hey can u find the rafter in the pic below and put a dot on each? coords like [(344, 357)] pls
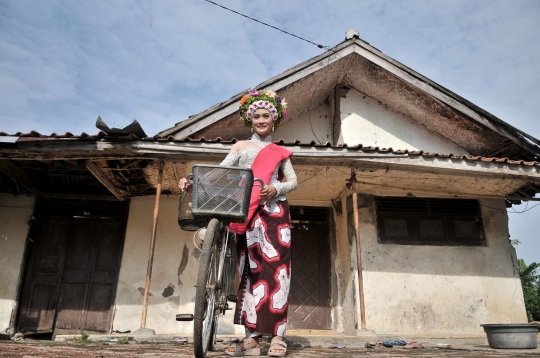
[(19, 176), (98, 173)]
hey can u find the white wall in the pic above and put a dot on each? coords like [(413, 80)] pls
[(15, 213), (175, 264), (365, 121), (409, 290), (446, 290), (300, 129)]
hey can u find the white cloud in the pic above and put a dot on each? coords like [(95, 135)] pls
[(63, 63)]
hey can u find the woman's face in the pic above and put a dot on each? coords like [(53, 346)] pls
[(262, 122)]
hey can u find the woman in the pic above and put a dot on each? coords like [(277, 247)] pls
[(263, 242)]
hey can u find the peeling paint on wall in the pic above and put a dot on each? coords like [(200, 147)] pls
[(175, 300)]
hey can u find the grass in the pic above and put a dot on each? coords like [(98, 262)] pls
[(83, 339), (123, 340)]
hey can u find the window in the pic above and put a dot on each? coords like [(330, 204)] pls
[(420, 221)]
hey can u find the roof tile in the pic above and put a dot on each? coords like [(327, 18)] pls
[(36, 136)]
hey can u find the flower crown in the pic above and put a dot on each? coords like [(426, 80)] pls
[(268, 100)]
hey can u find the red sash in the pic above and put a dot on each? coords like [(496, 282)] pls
[(263, 167)]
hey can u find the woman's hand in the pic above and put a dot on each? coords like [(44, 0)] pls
[(184, 184), (267, 193)]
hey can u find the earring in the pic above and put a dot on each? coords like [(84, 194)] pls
[(273, 127), (251, 129)]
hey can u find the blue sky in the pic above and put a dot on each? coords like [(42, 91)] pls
[(63, 63)]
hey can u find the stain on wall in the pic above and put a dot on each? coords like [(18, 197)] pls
[(168, 291), (183, 264), (443, 289), (196, 253), (173, 257), (141, 291)]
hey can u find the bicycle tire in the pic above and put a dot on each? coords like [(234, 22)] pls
[(231, 269), (228, 281), (205, 296), (213, 333)]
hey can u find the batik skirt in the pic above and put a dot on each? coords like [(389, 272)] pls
[(264, 265)]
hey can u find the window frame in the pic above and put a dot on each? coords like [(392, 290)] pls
[(395, 208)]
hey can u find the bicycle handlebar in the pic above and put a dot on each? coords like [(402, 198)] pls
[(260, 181)]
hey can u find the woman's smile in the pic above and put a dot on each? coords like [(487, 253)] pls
[(262, 122)]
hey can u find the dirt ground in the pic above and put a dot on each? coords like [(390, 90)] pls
[(27, 349)]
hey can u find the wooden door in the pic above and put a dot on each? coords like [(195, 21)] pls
[(88, 282), (73, 266), (43, 275), (309, 300)]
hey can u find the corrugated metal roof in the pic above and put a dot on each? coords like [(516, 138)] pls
[(35, 136)]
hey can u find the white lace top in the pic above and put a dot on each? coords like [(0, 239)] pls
[(245, 157)]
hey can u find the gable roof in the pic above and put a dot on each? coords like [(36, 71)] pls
[(356, 64)]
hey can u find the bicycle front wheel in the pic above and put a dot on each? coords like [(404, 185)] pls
[(205, 297)]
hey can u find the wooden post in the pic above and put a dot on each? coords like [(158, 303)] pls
[(354, 188), (152, 245)]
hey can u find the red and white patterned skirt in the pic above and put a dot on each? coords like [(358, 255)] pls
[(264, 265)]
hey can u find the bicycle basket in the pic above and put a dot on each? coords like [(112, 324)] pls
[(221, 192)]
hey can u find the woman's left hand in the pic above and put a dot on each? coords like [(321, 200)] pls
[(267, 193)]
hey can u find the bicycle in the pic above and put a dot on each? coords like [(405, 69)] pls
[(221, 195)]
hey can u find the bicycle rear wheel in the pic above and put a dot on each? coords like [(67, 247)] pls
[(205, 297)]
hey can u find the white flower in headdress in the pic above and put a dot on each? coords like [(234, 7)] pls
[(283, 104), (271, 93)]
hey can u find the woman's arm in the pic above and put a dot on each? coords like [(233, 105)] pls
[(230, 160), (290, 182), (234, 154)]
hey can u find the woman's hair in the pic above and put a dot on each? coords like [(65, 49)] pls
[(268, 100)]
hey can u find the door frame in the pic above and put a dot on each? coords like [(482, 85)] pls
[(331, 245), (41, 205)]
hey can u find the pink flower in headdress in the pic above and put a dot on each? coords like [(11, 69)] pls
[(255, 93), (285, 112), (271, 93)]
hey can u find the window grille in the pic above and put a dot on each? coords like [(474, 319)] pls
[(425, 221)]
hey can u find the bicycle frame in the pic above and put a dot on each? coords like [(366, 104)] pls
[(211, 293)]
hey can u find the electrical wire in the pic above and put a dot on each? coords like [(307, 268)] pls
[(522, 211), (327, 48), (311, 177), (264, 23)]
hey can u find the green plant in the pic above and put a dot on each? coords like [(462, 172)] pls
[(530, 283), (83, 339), (123, 340)]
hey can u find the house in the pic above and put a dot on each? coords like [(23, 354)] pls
[(429, 180)]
